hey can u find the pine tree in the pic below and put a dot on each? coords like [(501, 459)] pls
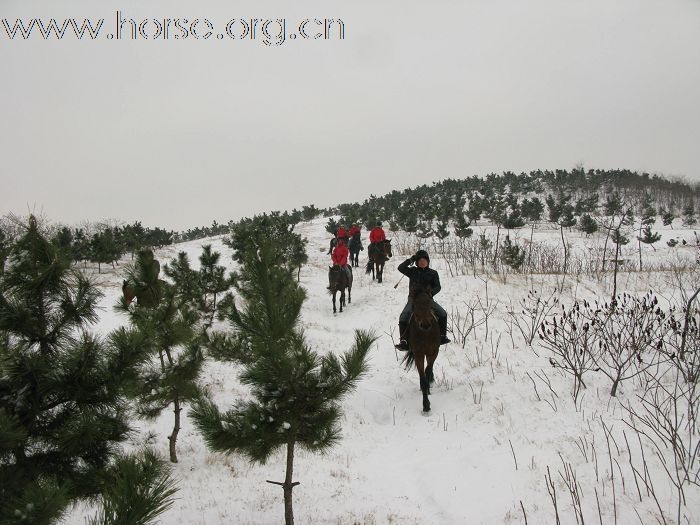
[(104, 249), (63, 405), (566, 220), (295, 392), (512, 255), (4, 250), (648, 212), (289, 248), (143, 279), (485, 245), (587, 204), (424, 230), (532, 211), (613, 205), (441, 231), (667, 218), (169, 324), (138, 488), (619, 239), (204, 288), (689, 218), (587, 224), (648, 218), (475, 209), (649, 237), (309, 212), (513, 219), (554, 209), (332, 226), (81, 245), (64, 240), (462, 229)]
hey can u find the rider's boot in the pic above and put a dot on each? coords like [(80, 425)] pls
[(442, 321), (403, 334)]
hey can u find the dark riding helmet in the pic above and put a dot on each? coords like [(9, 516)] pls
[(379, 224), (422, 254)]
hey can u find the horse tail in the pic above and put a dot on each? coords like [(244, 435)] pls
[(408, 360), (368, 269)]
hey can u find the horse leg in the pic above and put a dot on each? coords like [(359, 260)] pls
[(380, 272), (334, 302), (424, 385), (430, 376), (342, 299)]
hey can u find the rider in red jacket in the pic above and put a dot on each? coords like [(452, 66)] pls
[(340, 257), (354, 230), (342, 233), (377, 234), (340, 254)]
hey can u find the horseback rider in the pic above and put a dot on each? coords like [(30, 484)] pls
[(340, 257), (376, 235), (342, 234), (421, 277), (354, 230)]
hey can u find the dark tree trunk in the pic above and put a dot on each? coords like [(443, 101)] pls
[(172, 438), (498, 235), (617, 265), (639, 242), (529, 252), (613, 391), (289, 485), (605, 246), (566, 252)]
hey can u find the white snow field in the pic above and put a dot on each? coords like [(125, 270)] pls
[(480, 456)]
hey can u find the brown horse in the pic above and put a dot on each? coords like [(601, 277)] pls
[(128, 292), (339, 281), (354, 247), (148, 296), (378, 254), (423, 342)]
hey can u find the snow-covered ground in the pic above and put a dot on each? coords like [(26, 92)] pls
[(480, 456)]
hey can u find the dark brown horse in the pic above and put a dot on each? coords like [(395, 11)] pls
[(354, 247), (378, 254), (128, 292), (339, 281), (423, 342), (148, 296)]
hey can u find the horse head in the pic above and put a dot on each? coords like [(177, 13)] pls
[(423, 314), (387, 249), (128, 293)]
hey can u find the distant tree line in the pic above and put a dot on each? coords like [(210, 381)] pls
[(427, 209)]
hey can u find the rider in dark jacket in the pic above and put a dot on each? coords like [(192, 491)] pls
[(421, 277)]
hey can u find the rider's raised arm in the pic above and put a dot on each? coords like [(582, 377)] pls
[(403, 267)]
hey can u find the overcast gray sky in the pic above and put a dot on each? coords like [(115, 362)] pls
[(180, 132)]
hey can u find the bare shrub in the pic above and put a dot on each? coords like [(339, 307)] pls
[(570, 338), (533, 311)]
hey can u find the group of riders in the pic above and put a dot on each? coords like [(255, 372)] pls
[(416, 268)]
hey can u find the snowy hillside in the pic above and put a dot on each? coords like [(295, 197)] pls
[(481, 455)]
